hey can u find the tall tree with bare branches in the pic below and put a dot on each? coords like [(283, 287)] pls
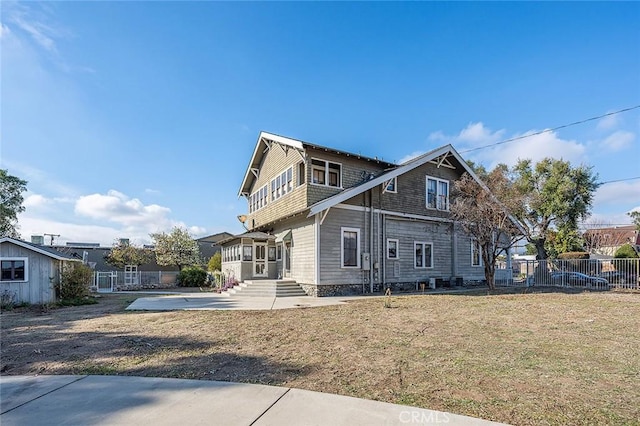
[(483, 211)]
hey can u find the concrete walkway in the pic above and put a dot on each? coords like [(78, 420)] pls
[(207, 301), (124, 400)]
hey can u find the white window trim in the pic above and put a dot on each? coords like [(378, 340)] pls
[(283, 188), (386, 184), (342, 231), (265, 200), (423, 243), (26, 269), (397, 248), (426, 192), (279, 252), (326, 173), (473, 243)]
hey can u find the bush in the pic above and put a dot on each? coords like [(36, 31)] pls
[(215, 263), (75, 281), (192, 276), (626, 252), (574, 255)]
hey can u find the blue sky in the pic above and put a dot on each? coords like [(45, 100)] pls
[(131, 117)]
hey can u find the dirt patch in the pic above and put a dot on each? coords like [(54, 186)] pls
[(532, 358)]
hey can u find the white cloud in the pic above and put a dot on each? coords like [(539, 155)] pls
[(617, 193), (619, 140), (35, 200), (117, 207), (609, 122), (477, 134), (152, 191)]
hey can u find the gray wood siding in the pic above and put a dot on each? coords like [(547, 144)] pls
[(331, 271), (412, 191), (42, 270), (463, 257), (303, 252), (275, 161), (353, 170), (407, 233)]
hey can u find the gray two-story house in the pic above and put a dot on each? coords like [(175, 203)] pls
[(340, 223)]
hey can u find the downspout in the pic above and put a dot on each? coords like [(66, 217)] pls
[(384, 254), (371, 241), (454, 252), (316, 236)]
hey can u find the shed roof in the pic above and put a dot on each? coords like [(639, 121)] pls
[(47, 251)]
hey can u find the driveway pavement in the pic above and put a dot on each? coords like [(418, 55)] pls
[(126, 400)]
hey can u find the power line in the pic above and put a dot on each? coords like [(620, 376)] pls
[(551, 130), (618, 180)]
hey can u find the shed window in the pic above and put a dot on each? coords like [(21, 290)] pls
[(14, 269), (350, 248)]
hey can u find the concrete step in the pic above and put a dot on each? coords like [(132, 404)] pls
[(267, 288)]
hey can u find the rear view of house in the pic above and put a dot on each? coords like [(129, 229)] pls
[(341, 223), (29, 271)]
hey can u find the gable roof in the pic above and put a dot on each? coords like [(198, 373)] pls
[(384, 177), (262, 147), (50, 252)]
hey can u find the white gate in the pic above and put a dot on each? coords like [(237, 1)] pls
[(106, 281)]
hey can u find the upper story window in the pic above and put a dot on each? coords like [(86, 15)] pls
[(437, 193), (282, 184), (391, 185), (258, 199), (326, 173), (14, 269)]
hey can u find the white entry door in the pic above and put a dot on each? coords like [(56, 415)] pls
[(260, 260)]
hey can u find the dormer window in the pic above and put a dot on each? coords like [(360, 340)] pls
[(326, 173)]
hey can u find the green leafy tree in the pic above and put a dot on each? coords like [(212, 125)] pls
[(215, 263), (626, 252), (554, 195), (635, 217), (11, 189), (177, 248), (563, 240), (123, 253), (479, 212)]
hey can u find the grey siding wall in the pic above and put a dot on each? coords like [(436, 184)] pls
[(409, 232), (463, 256), (353, 172), (411, 196), (275, 161), (39, 289), (303, 250), (331, 271)]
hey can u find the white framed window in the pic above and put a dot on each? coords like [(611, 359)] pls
[(247, 253), (393, 246), (437, 193), (326, 173), (258, 199), (282, 184), (279, 252), (423, 255), (391, 185), (272, 254), (14, 269), (476, 253), (301, 174), (350, 247)]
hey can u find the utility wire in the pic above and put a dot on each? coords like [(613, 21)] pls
[(551, 130), (618, 180)]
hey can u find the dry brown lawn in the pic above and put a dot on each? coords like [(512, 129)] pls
[(536, 358)]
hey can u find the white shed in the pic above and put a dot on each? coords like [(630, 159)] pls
[(29, 271)]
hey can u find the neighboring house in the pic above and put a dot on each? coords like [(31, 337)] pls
[(606, 241), (341, 223), (209, 245), (30, 271)]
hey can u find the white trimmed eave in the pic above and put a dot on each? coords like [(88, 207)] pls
[(252, 168), (37, 250), (406, 167)]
